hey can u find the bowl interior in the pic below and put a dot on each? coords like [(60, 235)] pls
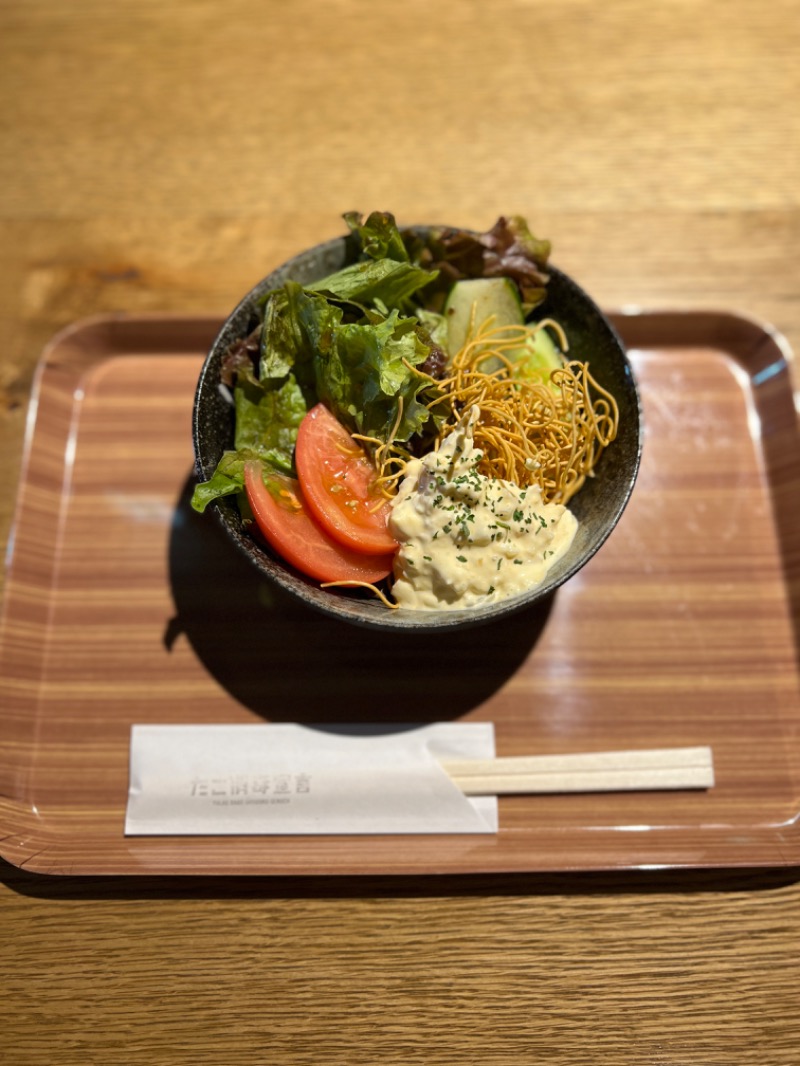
[(597, 506)]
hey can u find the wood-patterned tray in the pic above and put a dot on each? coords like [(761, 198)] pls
[(124, 606)]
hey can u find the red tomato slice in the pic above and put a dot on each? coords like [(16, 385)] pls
[(284, 521), (337, 480)]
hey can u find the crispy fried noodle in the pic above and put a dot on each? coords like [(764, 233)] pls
[(548, 430)]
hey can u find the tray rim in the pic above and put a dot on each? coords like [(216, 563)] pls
[(779, 851)]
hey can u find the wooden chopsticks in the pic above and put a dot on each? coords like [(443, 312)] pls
[(609, 771)]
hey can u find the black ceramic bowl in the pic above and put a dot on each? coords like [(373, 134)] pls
[(598, 506)]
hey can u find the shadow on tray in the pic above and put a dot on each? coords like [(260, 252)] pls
[(287, 662)]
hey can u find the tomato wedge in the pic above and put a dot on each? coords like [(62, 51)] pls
[(337, 480), (283, 519)]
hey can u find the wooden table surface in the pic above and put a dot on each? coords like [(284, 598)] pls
[(163, 157)]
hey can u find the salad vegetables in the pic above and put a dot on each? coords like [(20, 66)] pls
[(345, 388)]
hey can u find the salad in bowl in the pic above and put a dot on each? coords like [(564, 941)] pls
[(415, 427)]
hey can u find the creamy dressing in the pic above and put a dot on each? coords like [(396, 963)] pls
[(466, 539)]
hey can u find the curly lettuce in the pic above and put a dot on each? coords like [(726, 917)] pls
[(364, 340)]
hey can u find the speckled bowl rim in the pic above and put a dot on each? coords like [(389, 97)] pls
[(210, 408)]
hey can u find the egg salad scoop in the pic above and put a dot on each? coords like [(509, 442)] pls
[(467, 539)]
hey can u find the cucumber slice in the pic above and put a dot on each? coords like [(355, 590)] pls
[(475, 300), (488, 296), (540, 356)]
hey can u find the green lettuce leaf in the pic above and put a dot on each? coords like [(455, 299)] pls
[(368, 379), (383, 280), (267, 419), (435, 324), (227, 480), (379, 236), (364, 369)]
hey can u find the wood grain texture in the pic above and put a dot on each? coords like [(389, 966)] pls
[(164, 157)]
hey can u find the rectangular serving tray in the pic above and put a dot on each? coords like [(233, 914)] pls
[(123, 606)]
